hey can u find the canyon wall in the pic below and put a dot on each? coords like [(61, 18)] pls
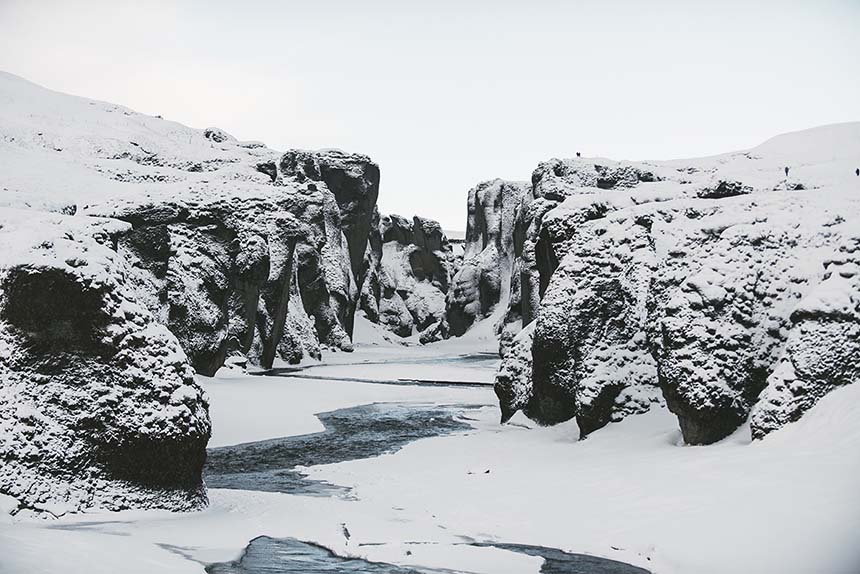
[(98, 403), (411, 264), (692, 282), (484, 277), (135, 249), (138, 250)]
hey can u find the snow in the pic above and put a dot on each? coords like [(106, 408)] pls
[(630, 492), (286, 406), (786, 504)]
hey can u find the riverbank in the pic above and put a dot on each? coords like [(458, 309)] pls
[(630, 492)]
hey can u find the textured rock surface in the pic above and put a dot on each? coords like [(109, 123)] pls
[(485, 274), (513, 383), (822, 348), (591, 357), (215, 233), (219, 273), (695, 276), (411, 265), (354, 181), (731, 301), (98, 403)]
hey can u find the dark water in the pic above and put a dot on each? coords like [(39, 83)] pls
[(558, 562), (265, 555), (350, 434)]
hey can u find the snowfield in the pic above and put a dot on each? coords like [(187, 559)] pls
[(631, 492)]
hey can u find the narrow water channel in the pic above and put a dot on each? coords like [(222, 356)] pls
[(350, 434), (354, 433), (265, 555)]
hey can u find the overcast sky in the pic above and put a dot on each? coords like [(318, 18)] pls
[(445, 94)]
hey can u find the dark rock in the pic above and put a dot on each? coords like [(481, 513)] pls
[(723, 188), (217, 135), (220, 275), (485, 273), (269, 168), (354, 181), (98, 404), (409, 275)]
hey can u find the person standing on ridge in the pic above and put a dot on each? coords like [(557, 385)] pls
[(786, 171), (857, 172)]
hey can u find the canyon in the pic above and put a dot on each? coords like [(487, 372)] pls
[(142, 259)]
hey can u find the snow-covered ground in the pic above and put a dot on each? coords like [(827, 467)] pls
[(631, 492)]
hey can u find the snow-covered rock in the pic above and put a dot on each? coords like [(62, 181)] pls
[(354, 181), (219, 272), (699, 276), (513, 384), (98, 403), (243, 250), (483, 279), (411, 265)]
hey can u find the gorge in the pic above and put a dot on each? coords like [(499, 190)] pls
[(147, 265)]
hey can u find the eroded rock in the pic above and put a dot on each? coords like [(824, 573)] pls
[(485, 274), (98, 403)]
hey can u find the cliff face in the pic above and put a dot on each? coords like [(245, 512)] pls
[(354, 181), (98, 404), (178, 248), (484, 277), (691, 282), (242, 251), (411, 265)]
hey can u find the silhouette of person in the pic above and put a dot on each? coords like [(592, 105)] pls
[(578, 154), (857, 172), (786, 171)]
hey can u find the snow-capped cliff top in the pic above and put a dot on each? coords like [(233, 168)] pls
[(58, 150)]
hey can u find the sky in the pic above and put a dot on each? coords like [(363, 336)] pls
[(445, 94)]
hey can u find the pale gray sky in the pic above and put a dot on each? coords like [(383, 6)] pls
[(445, 94)]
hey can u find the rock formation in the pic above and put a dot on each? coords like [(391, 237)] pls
[(411, 265), (485, 274), (692, 280), (98, 404), (240, 249), (354, 181), (186, 247)]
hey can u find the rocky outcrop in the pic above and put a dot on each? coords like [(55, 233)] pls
[(758, 297), (822, 345), (98, 403), (411, 265), (219, 273), (241, 250), (485, 274), (590, 356), (354, 181), (538, 247), (513, 384), (690, 282)]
